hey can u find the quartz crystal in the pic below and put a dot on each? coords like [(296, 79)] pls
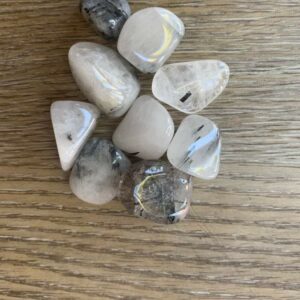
[(106, 16), (104, 77), (196, 147), (190, 86), (96, 175), (149, 37), (73, 123), (146, 131), (157, 191)]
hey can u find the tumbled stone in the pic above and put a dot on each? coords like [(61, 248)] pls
[(104, 77), (149, 37), (96, 175), (73, 123), (190, 86), (155, 190), (146, 131), (106, 16), (196, 147)]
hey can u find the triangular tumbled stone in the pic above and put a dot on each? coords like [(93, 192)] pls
[(190, 86), (73, 123), (196, 147)]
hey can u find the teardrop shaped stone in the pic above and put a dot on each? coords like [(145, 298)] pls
[(73, 123), (190, 86), (149, 37), (96, 175), (155, 190), (196, 147), (146, 131), (104, 77), (106, 16)]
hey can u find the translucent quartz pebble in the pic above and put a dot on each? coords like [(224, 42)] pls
[(190, 86), (149, 37), (73, 123), (157, 191), (97, 172), (146, 131), (104, 77), (196, 147), (106, 16)]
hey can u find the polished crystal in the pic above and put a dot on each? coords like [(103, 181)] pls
[(190, 86), (196, 147), (149, 37), (155, 190), (96, 175)]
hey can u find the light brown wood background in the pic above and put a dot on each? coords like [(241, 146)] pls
[(242, 239)]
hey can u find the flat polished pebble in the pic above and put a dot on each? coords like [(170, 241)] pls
[(190, 86), (149, 37), (73, 123), (96, 175), (104, 77), (146, 131), (106, 16), (196, 147), (155, 190)]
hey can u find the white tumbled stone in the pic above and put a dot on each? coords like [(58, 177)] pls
[(73, 123), (104, 77), (190, 86), (146, 130), (98, 172), (196, 147), (149, 37)]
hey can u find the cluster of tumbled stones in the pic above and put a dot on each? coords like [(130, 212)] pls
[(150, 188)]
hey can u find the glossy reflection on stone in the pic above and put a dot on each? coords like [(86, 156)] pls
[(157, 191), (104, 77), (196, 147), (106, 16), (96, 175), (73, 123), (149, 37), (190, 86)]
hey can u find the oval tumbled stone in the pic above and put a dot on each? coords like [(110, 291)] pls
[(106, 16), (190, 86), (155, 190), (149, 37), (96, 175), (196, 147), (104, 77), (146, 131)]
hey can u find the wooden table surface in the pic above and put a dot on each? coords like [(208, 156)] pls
[(242, 238)]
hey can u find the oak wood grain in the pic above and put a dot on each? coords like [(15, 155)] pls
[(242, 239)]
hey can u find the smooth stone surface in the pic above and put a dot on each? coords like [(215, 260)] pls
[(106, 16), (155, 190), (146, 131), (149, 37), (96, 175), (104, 77), (196, 147), (73, 123), (190, 86)]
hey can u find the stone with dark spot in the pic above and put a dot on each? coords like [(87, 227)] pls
[(106, 16), (155, 190), (97, 173)]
